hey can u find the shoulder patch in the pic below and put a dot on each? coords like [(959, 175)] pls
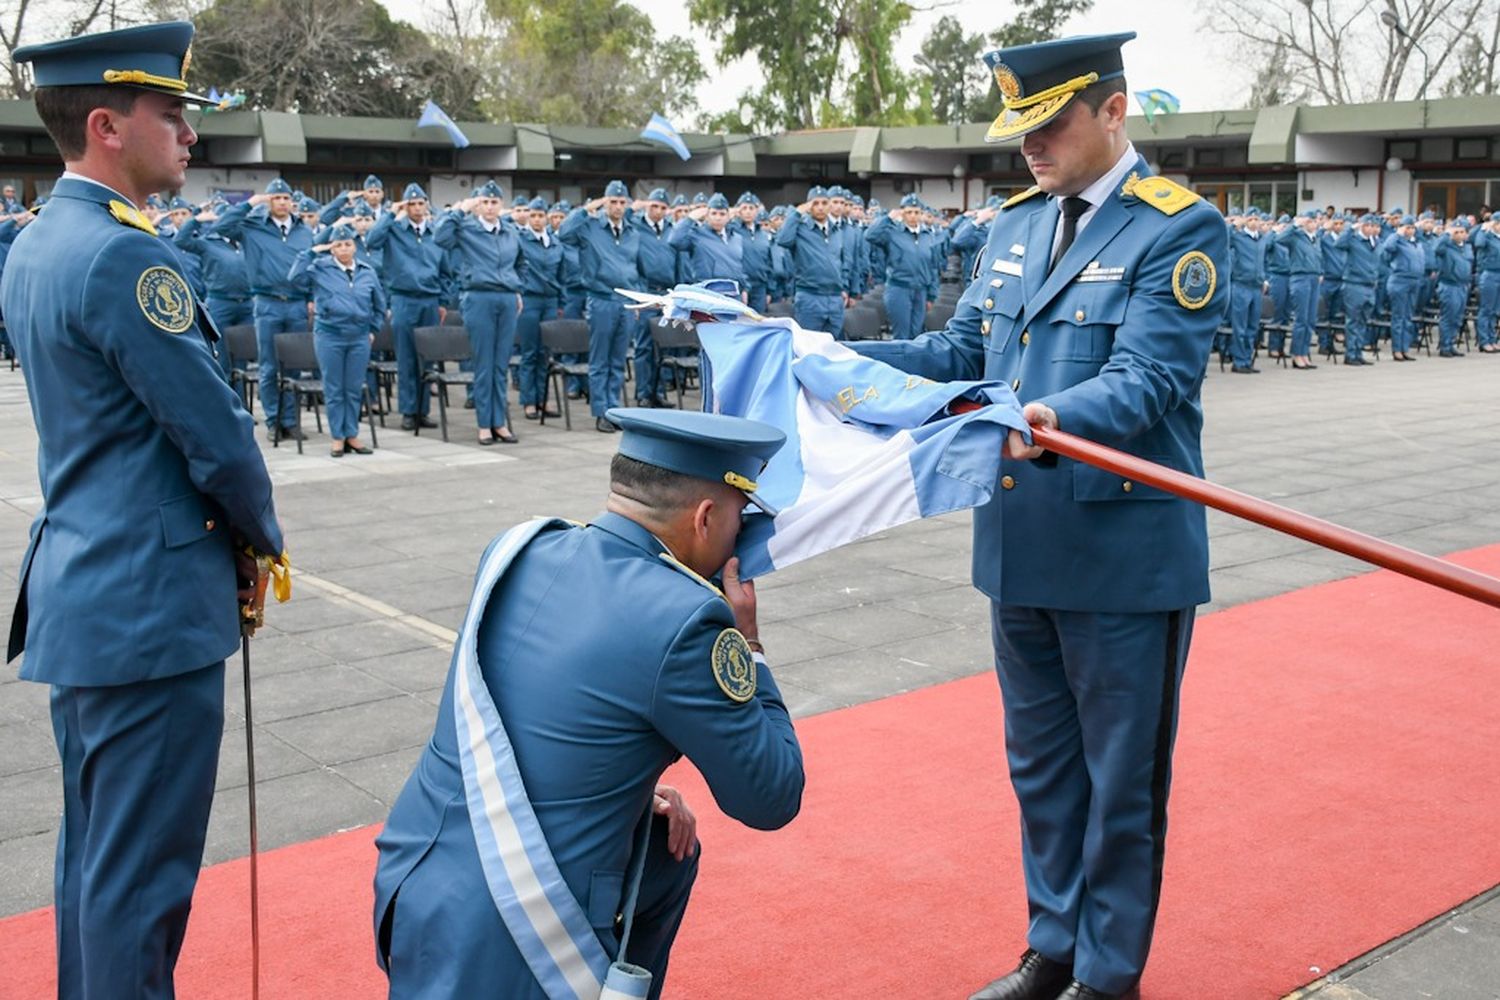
[(1017, 199), (1194, 279), (126, 215), (1167, 197), (164, 298), (687, 571), (733, 666)]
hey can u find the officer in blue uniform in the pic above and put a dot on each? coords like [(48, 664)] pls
[(1407, 262), (489, 250), (128, 598), (659, 268), (1097, 300), (911, 267), (591, 713), (223, 267), (1305, 269), (271, 236), (541, 300), (1331, 289), (1278, 280), (1455, 276), (816, 248), (1360, 244), (1247, 282), (1487, 262), (413, 273), (609, 252), (716, 249), (350, 310), (756, 252)]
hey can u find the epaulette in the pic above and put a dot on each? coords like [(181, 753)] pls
[(688, 571), (1167, 197), (126, 215), (1018, 198)]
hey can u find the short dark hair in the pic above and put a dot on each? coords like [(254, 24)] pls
[(65, 112), (661, 490), (1095, 94)]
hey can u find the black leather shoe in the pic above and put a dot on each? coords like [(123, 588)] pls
[(1036, 978), (604, 425), (469, 404), (292, 433), (661, 403), (408, 423), (1355, 361), (1078, 991), (1245, 370)]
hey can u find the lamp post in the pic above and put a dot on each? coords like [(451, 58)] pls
[(1390, 20)]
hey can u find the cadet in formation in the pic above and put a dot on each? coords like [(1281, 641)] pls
[(816, 250), (412, 266), (541, 300), (913, 266)]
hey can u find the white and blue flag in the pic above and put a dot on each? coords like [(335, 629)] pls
[(434, 115), (659, 130)]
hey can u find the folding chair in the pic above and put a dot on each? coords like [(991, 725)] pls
[(559, 337), (294, 358), (861, 323), (244, 361), (674, 334), (383, 366), (939, 315), (440, 346)]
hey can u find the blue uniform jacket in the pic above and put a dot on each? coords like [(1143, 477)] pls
[(1405, 258), (545, 265), (1455, 264), (606, 262), (1120, 358), (1247, 257), (1304, 253), (223, 263), (756, 254), (595, 711), (1486, 250), (1333, 256), (268, 254), (1278, 260), (491, 262), (714, 255), (349, 306), (658, 258), (1361, 266), (911, 259), (413, 261), (130, 574), (817, 257)]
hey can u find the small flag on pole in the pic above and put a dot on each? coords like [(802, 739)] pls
[(1157, 102), (434, 115), (659, 130)]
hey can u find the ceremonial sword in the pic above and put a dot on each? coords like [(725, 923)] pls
[(252, 616)]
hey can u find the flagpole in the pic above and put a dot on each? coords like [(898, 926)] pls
[(1419, 566)]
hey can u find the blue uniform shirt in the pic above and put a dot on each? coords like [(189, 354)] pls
[(912, 259), (1486, 250), (491, 258), (413, 260), (658, 257), (545, 264), (350, 303), (1361, 257), (1455, 264), (1247, 257), (1333, 256), (269, 250), (607, 260), (222, 262), (756, 252), (817, 254), (714, 255), (1304, 252), (1405, 258)]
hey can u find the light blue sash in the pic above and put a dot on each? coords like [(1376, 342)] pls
[(550, 929)]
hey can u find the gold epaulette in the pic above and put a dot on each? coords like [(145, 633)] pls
[(123, 213), (688, 571), (1167, 197), (1018, 198)]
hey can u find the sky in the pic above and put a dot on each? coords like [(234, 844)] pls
[(1173, 51)]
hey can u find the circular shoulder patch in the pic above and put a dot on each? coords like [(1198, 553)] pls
[(164, 297), (734, 668), (1194, 279)]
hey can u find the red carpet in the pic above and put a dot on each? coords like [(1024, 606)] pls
[(1334, 788)]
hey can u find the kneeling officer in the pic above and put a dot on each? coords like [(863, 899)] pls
[(591, 658)]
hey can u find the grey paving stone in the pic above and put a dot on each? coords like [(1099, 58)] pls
[(410, 671), (345, 734), (382, 776), (863, 675), (33, 802), (26, 865), (26, 701), (28, 747), (273, 758), (288, 810), (870, 625), (276, 652), (1459, 960), (308, 613), (360, 641), (316, 689)]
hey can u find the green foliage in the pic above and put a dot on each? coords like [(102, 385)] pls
[(951, 71)]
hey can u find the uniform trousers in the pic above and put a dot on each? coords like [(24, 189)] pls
[(443, 931), (1401, 292), (756, 296), (1281, 300), (535, 309), (1304, 296), (407, 313), (490, 318), (574, 304), (1331, 291), (1090, 718), (1359, 299), (1244, 318), (1451, 302), (611, 329), (906, 309), (816, 311), (273, 316), (138, 765), (1489, 306), (344, 360), (648, 380)]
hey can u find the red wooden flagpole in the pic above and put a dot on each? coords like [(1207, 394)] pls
[(1409, 562)]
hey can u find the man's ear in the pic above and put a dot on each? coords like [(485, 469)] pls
[(102, 126), (1115, 108), (702, 513)]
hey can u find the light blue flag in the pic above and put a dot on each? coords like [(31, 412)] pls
[(434, 115), (659, 130), (1157, 102), (868, 446)]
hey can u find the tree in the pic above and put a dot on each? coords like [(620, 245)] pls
[(24, 22), (1273, 86), (956, 77), (1476, 64), (1035, 21)]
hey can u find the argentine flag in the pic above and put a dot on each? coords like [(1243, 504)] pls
[(868, 446), (434, 115), (659, 130)]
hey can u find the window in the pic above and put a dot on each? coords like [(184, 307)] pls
[(40, 145), (1173, 159), (1473, 149), (1401, 149), (1439, 150), (1263, 196), (1208, 156)]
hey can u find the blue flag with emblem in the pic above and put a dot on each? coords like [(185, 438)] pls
[(869, 447), (434, 115), (1157, 102), (659, 130)]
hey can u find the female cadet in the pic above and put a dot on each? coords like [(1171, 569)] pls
[(350, 307), (489, 251), (541, 299)]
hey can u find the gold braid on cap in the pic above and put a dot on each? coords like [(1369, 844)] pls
[(141, 78), (739, 482), (1071, 86)]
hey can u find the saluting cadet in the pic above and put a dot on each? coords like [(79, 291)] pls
[(223, 267), (581, 715), (574, 297), (129, 589), (816, 247), (1361, 271), (541, 299), (350, 310), (967, 234), (1455, 275), (1247, 281), (344, 204), (413, 265), (755, 250), (1407, 262), (1487, 261), (911, 274), (658, 262), (609, 251), (1331, 289), (717, 251), (270, 237), (1305, 268), (1428, 235), (489, 252), (1278, 278), (1099, 293), (179, 211), (781, 257)]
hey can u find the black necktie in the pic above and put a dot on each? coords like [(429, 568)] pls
[(1072, 210)]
